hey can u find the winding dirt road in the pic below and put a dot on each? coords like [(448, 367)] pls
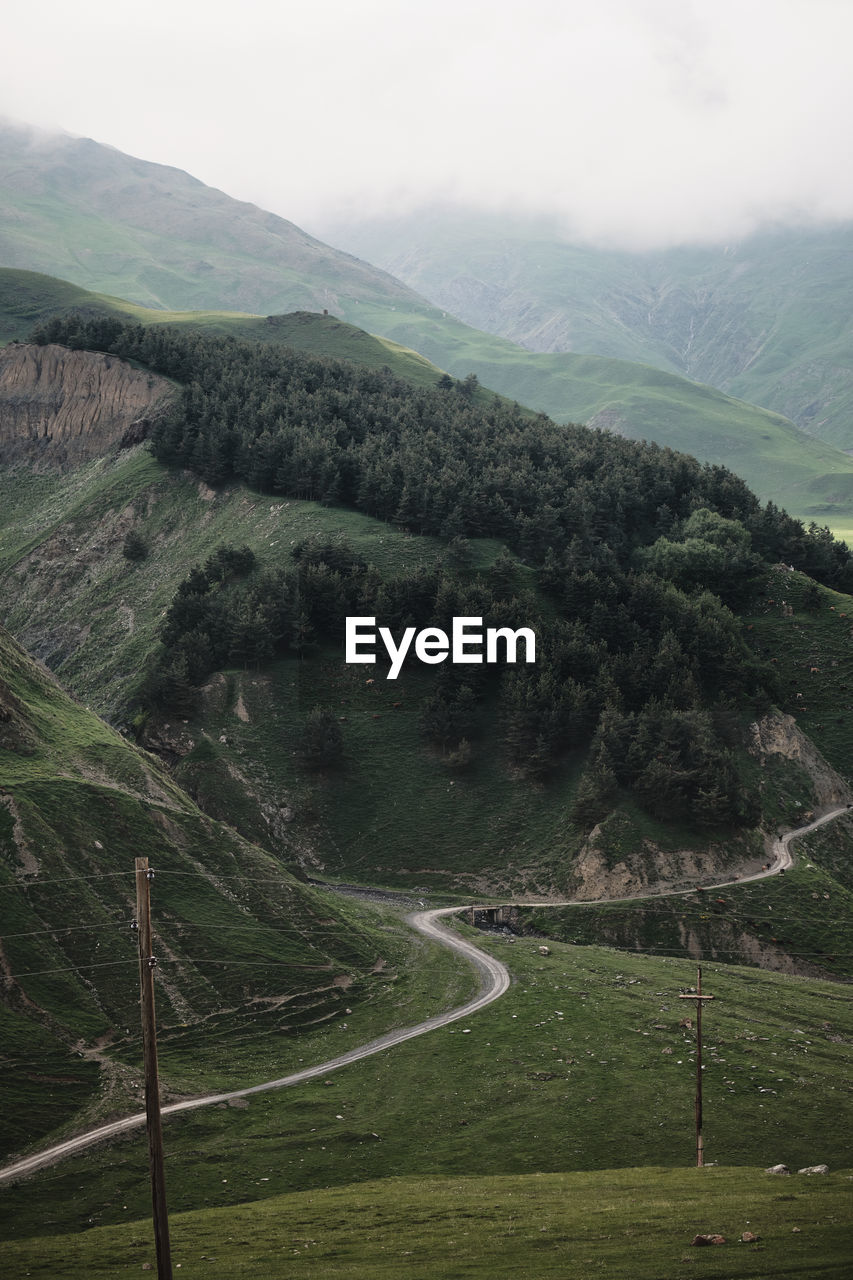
[(494, 981)]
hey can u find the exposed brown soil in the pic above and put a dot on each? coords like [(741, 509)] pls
[(61, 408)]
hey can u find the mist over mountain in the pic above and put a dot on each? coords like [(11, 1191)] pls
[(766, 318), (156, 236)]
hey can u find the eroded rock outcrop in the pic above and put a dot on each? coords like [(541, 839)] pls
[(60, 408), (780, 735)]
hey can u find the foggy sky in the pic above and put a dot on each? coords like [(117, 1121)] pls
[(638, 122)]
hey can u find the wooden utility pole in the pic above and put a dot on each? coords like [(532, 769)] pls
[(147, 963), (698, 997)]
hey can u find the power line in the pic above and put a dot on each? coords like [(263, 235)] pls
[(74, 968), (37, 884), (180, 925), (76, 928), (736, 912), (319, 930), (284, 884), (732, 917), (260, 965), (211, 877)]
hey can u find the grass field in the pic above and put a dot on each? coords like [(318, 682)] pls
[(628, 1224), (583, 1066)]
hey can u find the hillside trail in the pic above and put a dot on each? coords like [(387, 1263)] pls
[(494, 982)]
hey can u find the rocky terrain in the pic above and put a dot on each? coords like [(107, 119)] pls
[(61, 408)]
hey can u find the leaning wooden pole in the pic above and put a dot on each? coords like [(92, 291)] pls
[(147, 963)]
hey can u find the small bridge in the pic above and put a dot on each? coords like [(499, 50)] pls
[(491, 917)]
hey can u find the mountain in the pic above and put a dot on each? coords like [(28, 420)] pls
[(766, 319), (159, 238), (202, 613), (154, 234), (198, 596), (28, 299)]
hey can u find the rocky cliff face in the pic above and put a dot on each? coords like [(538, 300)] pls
[(60, 408), (780, 735)]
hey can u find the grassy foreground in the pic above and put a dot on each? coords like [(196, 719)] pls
[(584, 1065), (631, 1223)]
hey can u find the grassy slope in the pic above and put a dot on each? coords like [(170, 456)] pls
[(582, 1066), (812, 651), (538, 1055), (158, 237), (766, 319), (634, 1225), (787, 916), (92, 616), (805, 475), (809, 478), (772, 923), (244, 947), (28, 297), (61, 555), (152, 233), (80, 606)]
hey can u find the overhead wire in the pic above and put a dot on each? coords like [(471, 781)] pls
[(649, 905), (257, 927), (74, 968), (734, 915), (260, 965), (37, 884)]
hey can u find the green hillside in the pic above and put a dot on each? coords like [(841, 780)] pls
[(95, 622), (156, 236), (28, 298), (431, 781), (779, 923), (804, 475), (765, 319), (639, 1224), (249, 957), (162, 238), (585, 1065), (202, 613)]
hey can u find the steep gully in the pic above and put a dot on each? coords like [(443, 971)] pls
[(494, 981)]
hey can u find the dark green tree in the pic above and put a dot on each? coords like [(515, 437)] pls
[(134, 547), (322, 744)]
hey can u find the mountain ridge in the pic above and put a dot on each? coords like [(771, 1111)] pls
[(763, 319), (92, 235), (109, 190), (807, 476)]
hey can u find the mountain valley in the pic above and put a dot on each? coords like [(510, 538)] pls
[(131, 229), (219, 440)]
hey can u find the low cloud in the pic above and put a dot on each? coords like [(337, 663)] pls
[(636, 122)]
